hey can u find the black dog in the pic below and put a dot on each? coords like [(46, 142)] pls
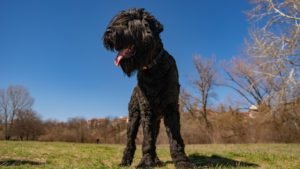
[(135, 35)]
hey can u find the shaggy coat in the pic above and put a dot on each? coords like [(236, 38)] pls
[(135, 35)]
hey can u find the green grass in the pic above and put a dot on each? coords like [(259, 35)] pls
[(72, 155)]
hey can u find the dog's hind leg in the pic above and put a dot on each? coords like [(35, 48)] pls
[(132, 129), (172, 123)]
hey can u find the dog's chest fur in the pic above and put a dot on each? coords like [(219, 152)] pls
[(159, 84)]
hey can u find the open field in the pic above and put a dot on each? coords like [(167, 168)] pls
[(73, 155)]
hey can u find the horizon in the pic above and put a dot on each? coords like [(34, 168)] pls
[(55, 50)]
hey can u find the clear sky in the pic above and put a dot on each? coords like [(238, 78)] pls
[(54, 48)]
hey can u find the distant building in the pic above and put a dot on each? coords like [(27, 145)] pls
[(123, 119), (252, 111)]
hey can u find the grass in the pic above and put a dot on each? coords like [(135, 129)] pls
[(58, 155)]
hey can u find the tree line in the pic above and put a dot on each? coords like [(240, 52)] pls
[(219, 125)]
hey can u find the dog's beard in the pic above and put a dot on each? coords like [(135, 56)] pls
[(135, 58), (127, 60), (123, 54), (128, 65)]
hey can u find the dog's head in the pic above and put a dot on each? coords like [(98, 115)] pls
[(135, 35)]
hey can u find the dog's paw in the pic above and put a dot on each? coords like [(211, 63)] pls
[(158, 162), (146, 162), (125, 163)]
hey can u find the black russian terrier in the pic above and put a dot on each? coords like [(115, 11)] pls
[(135, 35)]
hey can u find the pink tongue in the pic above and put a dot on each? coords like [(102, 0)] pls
[(118, 59), (122, 54)]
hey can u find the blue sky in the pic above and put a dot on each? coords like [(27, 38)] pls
[(54, 49)]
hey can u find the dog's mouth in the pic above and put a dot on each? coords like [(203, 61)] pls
[(124, 54)]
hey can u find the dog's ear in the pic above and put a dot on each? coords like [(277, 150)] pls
[(158, 26), (153, 23)]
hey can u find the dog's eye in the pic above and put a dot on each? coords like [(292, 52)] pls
[(146, 25)]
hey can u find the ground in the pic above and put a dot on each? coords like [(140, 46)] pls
[(101, 156)]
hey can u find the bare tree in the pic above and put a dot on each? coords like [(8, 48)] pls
[(27, 125), (79, 127), (4, 108), (198, 105), (1, 121), (1, 126), (268, 73), (12, 100), (275, 47), (242, 79)]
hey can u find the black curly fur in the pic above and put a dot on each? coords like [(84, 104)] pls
[(156, 94)]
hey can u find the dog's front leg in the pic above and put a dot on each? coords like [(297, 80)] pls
[(149, 124)]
